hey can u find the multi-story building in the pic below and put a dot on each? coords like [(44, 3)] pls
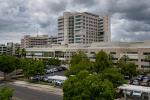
[(83, 28), (3, 49), (12, 47), (136, 51), (52, 40), (34, 41)]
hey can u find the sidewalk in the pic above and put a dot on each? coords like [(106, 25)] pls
[(39, 87)]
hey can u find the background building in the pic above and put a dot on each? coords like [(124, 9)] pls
[(52, 40), (12, 47), (34, 41), (83, 28), (3, 49)]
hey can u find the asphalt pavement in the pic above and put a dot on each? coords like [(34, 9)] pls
[(25, 93)]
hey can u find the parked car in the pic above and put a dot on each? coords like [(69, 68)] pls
[(49, 71), (55, 69), (60, 69), (137, 93), (59, 83), (140, 77), (45, 79), (64, 68), (136, 82), (145, 82), (37, 78)]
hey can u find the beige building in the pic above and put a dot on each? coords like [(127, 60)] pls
[(83, 28), (52, 40), (34, 41), (136, 51)]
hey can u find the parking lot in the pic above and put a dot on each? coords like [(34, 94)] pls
[(140, 80), (138, 88), (53, 75)]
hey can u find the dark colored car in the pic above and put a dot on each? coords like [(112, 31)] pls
[(145, 82), (60, 69)]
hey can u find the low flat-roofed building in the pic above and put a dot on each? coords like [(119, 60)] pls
[(135, 91), (136, 51)]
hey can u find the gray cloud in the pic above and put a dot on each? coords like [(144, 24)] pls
[(85, 3), (130, 19)]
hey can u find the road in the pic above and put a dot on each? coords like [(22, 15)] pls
[(25, 93)]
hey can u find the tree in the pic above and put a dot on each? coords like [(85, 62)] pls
[(32, 67), (102, 62), (6, 93), (18, 64), (76, 68), (78, 57), (91, 80), (23, 52), (79, 62), (86, 86), (127, 68), (7, 64), (54, 61), (125, 58), (18, 52), (114, 76)]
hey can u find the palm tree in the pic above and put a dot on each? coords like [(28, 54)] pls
[(18, 52)]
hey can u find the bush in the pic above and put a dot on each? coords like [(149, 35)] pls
[(6, 93)]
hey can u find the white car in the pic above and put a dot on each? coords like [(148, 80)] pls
[(45, 79), (59, 82), (49, 71)]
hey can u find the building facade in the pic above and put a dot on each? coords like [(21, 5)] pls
[(136, 51), (12, 47), (52, 40), (3, 49), (34, 41), (83, 28)]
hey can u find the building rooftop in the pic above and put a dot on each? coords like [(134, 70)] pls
[(135, 88)]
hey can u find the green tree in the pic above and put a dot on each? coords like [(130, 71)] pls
[(18, 52), (125, 58), (102, 62), (127, 68), (23, 52), (92, 80), (86, 86), (78, 57), (113, 75), (76, 68), (6, 93), (54, 61), (32, 67), (79, 62), (7, 64)]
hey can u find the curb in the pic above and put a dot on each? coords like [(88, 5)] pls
[(40, 87)]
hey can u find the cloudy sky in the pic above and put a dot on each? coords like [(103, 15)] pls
[(130, 19)]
